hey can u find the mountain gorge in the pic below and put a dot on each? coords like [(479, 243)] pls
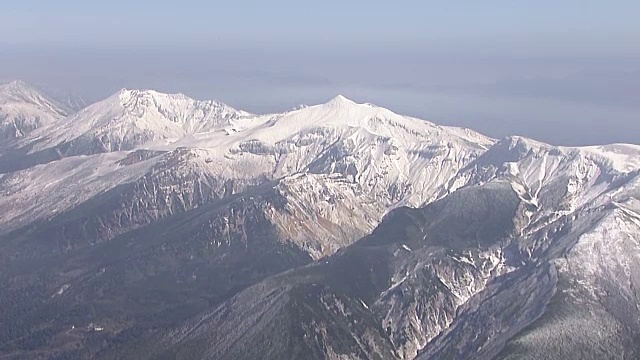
[(151, 225)]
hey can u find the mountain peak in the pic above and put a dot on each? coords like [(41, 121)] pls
[(17, 82), (146, 98), (18, 91), (130, 118), (23, 109), (340, 100), (21, 91), (16, 87), (523, 143), (126, 94)]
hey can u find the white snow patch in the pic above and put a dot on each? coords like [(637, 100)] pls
[(364, 304)]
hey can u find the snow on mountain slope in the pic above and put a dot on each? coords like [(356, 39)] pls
[(469, 273), (356, 153), (340, 166), (44, 191), (369, 145), (365, 159), (573, 293), (598, 297), (580, 221), (618, 157), (554, 181), (132, 118), (403, 275), (24, 109), (502, 228)]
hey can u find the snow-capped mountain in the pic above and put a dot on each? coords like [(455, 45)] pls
[(340, 165), (24, 109), (133, 118), (161, 226), (533, 252)]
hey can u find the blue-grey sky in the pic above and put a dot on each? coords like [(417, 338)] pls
[(565, 72)]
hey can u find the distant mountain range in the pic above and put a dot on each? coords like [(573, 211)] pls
[(156, 226)]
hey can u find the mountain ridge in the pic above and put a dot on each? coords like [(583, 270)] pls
[(24, 109), (383, 235)]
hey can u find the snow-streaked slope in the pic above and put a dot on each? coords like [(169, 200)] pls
[(479, 268), (369, 145), (554, 181), (132, 118), (344, 164), (340, 166), (24, 109), (580, 221), (43, 191), (583, 303), (600, 276), (403, 275), (505, 231)]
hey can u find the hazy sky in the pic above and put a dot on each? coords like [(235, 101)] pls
[(566, 72)]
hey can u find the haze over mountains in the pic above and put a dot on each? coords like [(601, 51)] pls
[(151, 225)]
